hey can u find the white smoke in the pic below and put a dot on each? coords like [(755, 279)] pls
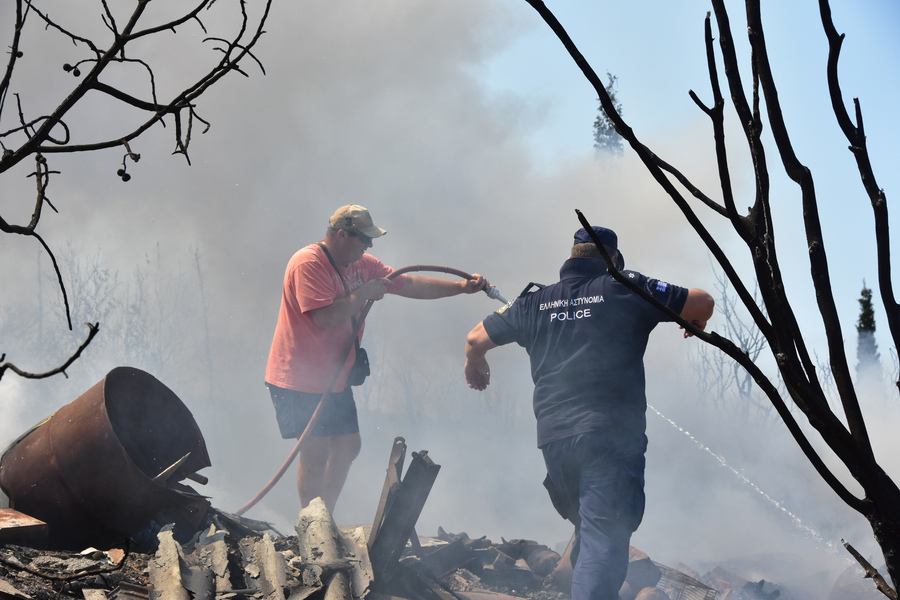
[(383, 104)]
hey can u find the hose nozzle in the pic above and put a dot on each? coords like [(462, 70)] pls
[(493, 293)]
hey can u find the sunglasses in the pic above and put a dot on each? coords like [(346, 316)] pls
[(362, 237)]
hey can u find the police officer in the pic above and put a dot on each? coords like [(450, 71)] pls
[(585, 337)]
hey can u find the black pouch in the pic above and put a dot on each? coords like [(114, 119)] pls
[(360, 369)]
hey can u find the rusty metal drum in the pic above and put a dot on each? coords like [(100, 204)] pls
[(88, 470)]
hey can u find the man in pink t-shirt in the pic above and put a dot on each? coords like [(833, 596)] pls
[(326, 286)]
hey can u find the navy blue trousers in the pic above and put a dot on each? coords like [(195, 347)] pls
[(597, 483)]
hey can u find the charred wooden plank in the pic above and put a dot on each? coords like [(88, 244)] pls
[(449, 557), (391, 483), (386, 546)]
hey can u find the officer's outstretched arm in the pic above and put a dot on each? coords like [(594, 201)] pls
[(478, 373)]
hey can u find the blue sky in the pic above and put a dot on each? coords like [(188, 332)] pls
[(657, 51)]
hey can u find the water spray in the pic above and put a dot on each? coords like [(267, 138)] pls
[(491, 291), (830, 546)]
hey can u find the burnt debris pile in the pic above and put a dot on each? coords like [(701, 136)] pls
[(98, 510), (238, 558)]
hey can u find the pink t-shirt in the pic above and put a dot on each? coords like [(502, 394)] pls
[(304, 356)]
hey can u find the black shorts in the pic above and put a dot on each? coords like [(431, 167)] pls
[(294, 409)]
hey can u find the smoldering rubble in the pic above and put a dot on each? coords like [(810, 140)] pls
[(239, 558), (234, 557), (99, 509)]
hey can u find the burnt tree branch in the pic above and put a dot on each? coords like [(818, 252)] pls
[(880, 504), (801, 174), (871, 572), (649, 159), (93, 329), (49, 133), (856, 135)]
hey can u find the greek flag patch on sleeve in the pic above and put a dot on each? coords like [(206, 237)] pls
[(661, 286)]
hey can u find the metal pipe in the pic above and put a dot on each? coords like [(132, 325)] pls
[(94, 471)]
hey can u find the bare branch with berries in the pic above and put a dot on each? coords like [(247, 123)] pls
[(103, 61)]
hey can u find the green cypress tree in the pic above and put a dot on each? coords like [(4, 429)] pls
[(606, 138), (869, 361)]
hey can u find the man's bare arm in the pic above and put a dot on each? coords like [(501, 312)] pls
[(430, 288)]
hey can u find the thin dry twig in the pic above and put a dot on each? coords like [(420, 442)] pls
[(93, 329), (871, 572)]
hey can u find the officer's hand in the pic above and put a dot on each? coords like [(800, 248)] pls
[(701, 325), (478, 374), (374, 289), (476, 284)]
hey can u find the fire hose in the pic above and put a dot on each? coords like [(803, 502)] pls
[(491, 292)]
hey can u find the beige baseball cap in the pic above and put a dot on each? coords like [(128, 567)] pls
[(357, 218)]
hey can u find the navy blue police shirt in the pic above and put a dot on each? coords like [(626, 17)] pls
[(586, 337)]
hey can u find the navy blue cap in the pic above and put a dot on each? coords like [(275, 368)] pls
[(607, 237)]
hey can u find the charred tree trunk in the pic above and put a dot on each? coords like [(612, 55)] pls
[(848, 439)]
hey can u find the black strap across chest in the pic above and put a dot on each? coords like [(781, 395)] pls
[(343, 283)]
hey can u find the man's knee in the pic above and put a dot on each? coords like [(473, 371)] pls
[(346, 447)]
